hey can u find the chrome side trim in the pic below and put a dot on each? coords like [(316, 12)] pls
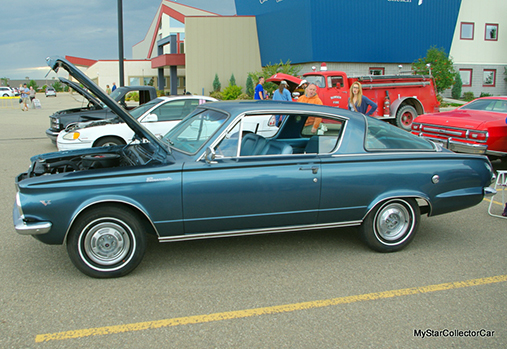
[(200, 236)]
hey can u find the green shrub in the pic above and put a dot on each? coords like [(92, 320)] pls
[(231, 92), (484, 94), (132, 96), (217, 95), (216, 84), (468, 96), (456, 88), (244, 96), (250, 89)]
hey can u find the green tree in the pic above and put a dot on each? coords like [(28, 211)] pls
[(250, 89), (5, 81), (232, 81), (441, 66), (270, 70), (33, 83), (58, 86), (216, 84), (456, 88)]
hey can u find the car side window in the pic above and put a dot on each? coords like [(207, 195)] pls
[(295, 136), (171, 111)]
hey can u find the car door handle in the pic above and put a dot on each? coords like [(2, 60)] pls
[(314, 169)]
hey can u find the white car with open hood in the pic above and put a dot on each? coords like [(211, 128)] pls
[(158, 116)]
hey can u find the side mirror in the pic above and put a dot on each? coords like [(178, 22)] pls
[(150, 118), (209, 156)]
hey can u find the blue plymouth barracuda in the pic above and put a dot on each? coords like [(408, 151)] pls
[(208, 177)]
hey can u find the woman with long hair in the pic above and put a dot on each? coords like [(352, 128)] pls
[(360, 103)]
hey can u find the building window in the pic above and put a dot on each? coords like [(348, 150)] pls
[(466, 77), (489, 78), (377, 71), (491, 33), (467, 31), (134, 81), (149, 81)]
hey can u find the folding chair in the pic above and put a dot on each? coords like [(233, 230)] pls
[(500, 185)]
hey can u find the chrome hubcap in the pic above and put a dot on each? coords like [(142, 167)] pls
[(393, 222), (107, 243)]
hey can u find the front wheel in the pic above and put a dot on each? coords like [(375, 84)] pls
[(391, 225), (405, 116), (107, 242), (108, 142)]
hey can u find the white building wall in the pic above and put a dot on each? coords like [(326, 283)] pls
[(480, 54)]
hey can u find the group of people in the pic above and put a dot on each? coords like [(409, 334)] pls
[(357, 101), (27, 96)]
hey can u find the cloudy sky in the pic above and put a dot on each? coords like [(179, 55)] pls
[(32, 31)]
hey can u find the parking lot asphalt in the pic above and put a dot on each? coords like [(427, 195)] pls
[(315, 289)]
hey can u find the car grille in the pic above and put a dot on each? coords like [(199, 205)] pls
[(442, 132)]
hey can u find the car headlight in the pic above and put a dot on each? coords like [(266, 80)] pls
[(71, 136)]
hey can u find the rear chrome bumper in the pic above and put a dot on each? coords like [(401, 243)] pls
[(459, 147)]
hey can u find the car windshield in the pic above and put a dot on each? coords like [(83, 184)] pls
[(495, 105), (383, 136), (143, 108), (193, 131)]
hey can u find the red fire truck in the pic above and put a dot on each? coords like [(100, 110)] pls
[(400, 98)]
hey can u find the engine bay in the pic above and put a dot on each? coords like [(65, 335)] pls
[(99, 158)]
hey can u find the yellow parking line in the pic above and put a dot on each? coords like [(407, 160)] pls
[(198, 319), (495, 202)]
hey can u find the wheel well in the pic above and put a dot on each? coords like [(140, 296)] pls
[(135, 211), (121, 140), (423, 203), (413, 102)]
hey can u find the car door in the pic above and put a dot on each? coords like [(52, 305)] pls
[(241, 192)]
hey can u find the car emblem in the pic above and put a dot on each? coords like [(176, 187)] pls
[(45, 203)]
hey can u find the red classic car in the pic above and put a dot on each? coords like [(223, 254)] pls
[(478, 127)]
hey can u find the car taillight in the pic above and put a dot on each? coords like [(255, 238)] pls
[(477, 135)]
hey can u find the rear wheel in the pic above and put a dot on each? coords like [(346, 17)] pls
[(405, 116), (391, 225), (107, 242)]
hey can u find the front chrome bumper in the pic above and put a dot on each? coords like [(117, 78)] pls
[(27, 228)]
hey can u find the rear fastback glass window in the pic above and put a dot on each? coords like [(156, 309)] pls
[(383, 136), (496, 105)]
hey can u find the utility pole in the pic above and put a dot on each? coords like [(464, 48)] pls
[(120, 43)]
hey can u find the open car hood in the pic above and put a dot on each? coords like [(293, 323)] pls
[(82, 92), (161, 150), (292, 81)]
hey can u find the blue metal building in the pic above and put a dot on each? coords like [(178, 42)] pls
[(382, 31)]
